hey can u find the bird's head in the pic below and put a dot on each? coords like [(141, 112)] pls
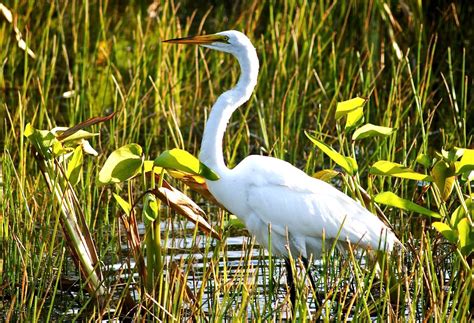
[(230, 41)]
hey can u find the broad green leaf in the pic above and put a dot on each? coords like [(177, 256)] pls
[(150, 208), (43, 140), (353, 109), (443, 177), (345, 107), (424, 160), (354, 117), (29, 130), (123, 204), (326, 174), (122, 164), (466, 241), (446, 231), (57, 148), (391, 199), (181, 175), (74, 166), (370, 130), (149, 165), (181, 160), (348, 163), (80, 134), (466, 163), (387, 168), (460, 213)]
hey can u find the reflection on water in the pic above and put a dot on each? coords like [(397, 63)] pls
[(239, 258)]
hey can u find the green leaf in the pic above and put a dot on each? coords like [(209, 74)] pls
[(353, 109), (460, 213), (391, 199), (77, 136), (353, 118), (179, 159), (149, 165), (122, 164), (424, 160), (326, 174), (446, 231), (466, 164), (44, 142), (466, 241), (29, 130), (370, 130), (387, 168), (345, 107), (442, 174), (74, 166), (150, 208), (123, 204), (348, 163), (57, 148)]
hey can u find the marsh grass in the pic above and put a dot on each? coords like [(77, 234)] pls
[(313, 55)]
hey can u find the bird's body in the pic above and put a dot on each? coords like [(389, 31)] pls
[(266, 192), (301, 210)]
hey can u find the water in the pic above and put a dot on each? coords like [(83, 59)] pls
[(184, 250)]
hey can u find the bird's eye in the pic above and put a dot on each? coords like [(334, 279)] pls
[(225, 39)]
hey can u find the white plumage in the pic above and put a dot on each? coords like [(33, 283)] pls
[(265, 191)]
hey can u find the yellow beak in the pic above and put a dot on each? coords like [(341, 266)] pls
[(200, 40)]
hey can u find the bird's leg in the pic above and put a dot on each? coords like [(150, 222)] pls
[(307, 268), (290, 280)]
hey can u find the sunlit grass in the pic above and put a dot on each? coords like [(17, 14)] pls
[(93, 58)]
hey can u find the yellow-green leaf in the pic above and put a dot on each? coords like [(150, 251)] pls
[(442, 174), (326, 174), (466, 236), (182, 175), (348, 163), (466, 163), (460, 213), (370, 130), (149, 165), (57, 148), (43, 140), (29, 130), (122, 164), (77, 136), (123, 204), (424, 160), (446, 231), (391, 199), (74, 166), (345, 107), (181, 160), (150, 208), (354, 117), (387, 168)]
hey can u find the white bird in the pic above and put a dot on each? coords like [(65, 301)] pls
[(266, 192)]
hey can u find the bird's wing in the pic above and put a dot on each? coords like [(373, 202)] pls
[(289, 199)]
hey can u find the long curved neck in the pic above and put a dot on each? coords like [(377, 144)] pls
[(211, 146)]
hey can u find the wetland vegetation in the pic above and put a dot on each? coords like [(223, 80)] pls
[(99, 222)]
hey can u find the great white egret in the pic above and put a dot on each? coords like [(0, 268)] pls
[(266, 192)]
